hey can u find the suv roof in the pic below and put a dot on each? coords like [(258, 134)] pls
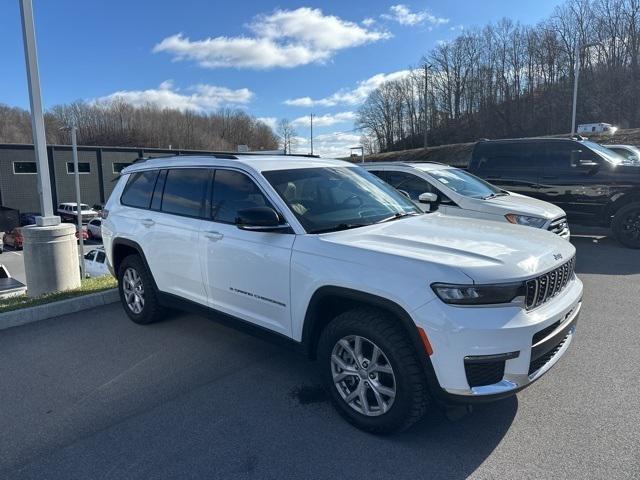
[(256, 162), (534, 139)]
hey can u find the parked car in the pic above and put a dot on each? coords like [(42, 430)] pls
[(69, 211), (95, 263), (398, 306), (591, 128), (588, 181), (1, 242), (94, 228), (14, 238), (631, 153), (28, 218), (453, 191)]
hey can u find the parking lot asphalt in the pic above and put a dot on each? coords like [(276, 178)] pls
[(92, 395)]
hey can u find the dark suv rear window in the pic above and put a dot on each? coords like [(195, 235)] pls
[(139, 188), (184, 191)]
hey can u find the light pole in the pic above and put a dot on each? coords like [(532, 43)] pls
[(311, 119), (426, 102), (576, 75), (37, 119), (76, 174)]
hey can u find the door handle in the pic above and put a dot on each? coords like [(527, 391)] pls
[(147, 222), (214, 236)]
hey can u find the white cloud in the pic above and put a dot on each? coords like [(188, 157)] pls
[(285, 38), (201, 97), (331, 145), (325, 120), (271, 122), (457, 28), (404, 16), (353, 96), (367, 22)]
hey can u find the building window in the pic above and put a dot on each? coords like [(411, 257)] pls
[(119, 166), (83, 167), (21, 168)]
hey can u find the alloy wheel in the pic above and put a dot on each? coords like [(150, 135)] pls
[(363, 375), (631, 225), (133, 290)]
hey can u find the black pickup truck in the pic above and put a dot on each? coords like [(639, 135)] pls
[(594, 185)]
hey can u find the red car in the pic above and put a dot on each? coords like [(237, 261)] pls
[(14, 238), (85, 234)]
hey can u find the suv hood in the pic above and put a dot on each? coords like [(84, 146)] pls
[(485, 251), (518, 204)]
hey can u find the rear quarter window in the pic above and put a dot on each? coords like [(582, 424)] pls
[(139, 189)]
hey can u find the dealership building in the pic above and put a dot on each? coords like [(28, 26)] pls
[(98, 168)]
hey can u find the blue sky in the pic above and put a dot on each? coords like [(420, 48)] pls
[(275, 60)]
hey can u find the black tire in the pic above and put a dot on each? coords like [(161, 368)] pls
[(411, 390), (626, 225), (151, 311)]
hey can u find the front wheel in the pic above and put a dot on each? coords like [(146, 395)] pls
[(626, 225), (137, 291), (372, 371)]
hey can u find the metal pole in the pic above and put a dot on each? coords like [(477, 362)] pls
[(37, 118), (76, 175), (362, 150), (426, 102), (312, 134), (576, 74)]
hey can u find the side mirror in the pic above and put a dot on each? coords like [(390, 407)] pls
[(428, 197), (263, 219)]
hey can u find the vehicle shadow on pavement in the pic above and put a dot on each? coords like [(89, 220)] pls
[(602, 255)]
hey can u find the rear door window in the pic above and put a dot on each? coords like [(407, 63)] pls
[(185, 191), (137, 193)]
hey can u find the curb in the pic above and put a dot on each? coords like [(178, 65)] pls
[(37, 313)]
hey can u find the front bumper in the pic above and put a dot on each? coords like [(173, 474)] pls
[(527, 344)]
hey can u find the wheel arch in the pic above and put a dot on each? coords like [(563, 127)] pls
[(123, 247), (620, 202)]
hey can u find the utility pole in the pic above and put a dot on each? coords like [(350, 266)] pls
[(37, 118), (426, 102), (311, 118), (76, 174)]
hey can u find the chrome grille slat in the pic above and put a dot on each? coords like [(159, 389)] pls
[(546, 286)]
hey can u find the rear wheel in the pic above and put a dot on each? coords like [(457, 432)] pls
[(626, 225), (372, 371), (137, 291)]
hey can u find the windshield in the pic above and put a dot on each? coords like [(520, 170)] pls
[(327, 199), (465, 183), (609, 155)]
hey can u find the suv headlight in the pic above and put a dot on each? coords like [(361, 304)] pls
[(526, 220), (479, 294)]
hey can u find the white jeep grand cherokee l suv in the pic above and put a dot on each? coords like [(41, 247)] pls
[(398, 306)]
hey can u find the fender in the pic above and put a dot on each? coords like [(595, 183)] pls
[(133, 245)]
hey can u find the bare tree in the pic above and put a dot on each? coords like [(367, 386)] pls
[(287, 134)]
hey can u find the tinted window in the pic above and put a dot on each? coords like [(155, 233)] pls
[(100, 257), (185, 190), (25, 167), (96, 223), (137, 192), (90, 255), (558, 155), (233, 191), (83, 167), (409, 183)]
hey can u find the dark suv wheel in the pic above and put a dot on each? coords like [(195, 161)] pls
[(137, 291), (626, 225), (372, 372)]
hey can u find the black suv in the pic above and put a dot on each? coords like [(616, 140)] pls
[(594, 185)]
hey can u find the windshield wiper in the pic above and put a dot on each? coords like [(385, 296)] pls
[(397, 216), (494, 195), (340, 226)]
